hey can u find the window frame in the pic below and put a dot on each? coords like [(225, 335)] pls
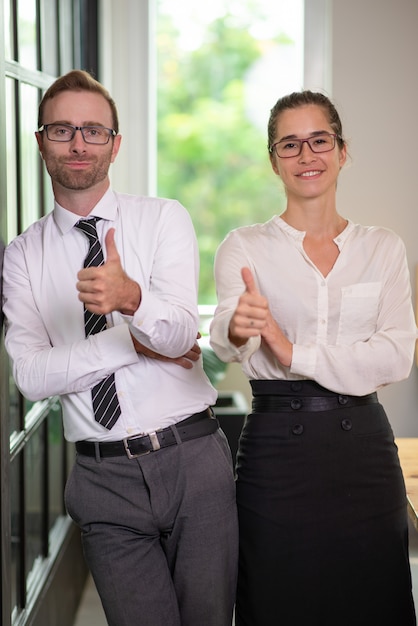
[(34, 438)]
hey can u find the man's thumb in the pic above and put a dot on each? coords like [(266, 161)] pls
[(112, 253)]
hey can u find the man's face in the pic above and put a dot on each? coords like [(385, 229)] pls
[(77, 165)]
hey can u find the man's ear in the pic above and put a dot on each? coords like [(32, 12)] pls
[(40, 141), (116, 145)]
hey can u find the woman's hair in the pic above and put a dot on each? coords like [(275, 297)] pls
[(302, 98), (78, 80)]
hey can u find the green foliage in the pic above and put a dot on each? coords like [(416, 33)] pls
[(211, 157), (214, 368)]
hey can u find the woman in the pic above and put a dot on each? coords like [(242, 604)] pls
[(318, 311)]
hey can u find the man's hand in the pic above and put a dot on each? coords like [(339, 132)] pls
[(108, 288), (185, 361)]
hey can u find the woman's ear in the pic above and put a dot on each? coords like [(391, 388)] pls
[(274, 165), (343, 155)]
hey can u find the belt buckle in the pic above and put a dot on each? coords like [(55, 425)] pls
[(154, 443)]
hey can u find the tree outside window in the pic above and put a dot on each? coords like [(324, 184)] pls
[(218, 77)]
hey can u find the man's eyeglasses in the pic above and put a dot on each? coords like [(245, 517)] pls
[(66, 132), (287, 148)]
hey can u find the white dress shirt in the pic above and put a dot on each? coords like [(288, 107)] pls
[(45, 335), (353, 331)]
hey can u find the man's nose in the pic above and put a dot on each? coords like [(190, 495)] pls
[(78, 139)]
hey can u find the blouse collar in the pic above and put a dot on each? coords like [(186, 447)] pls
[(299, 235)]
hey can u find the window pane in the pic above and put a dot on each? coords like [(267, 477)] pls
[(12, 207), (16, 531), (30, 155), (34, 499), (27, 51), (65, 36), (8, 30), (14, 405), (49, 44), (56, 466), (219, 74)]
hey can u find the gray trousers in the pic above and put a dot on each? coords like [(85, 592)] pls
[(160, 533)]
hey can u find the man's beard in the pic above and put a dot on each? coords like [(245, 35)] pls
[(80, 179)]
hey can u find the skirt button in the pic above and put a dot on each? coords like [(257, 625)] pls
[(297, 429)]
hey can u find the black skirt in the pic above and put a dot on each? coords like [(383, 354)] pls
[(322, 512)]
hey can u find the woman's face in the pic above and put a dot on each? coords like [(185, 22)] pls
[(309, 174)]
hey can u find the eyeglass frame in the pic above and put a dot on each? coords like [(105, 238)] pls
[(302, 141), (44, 127)]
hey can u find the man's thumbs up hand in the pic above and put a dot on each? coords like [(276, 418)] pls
[(108, 288)]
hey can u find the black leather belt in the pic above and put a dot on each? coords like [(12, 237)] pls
[(193, 427), (274, 404)]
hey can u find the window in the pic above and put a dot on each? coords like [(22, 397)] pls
[(219, 72), (42, 38)]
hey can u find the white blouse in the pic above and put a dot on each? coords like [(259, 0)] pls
[(353, 331)]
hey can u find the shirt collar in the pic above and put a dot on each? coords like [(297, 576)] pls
[(106, 208), (298, 235)]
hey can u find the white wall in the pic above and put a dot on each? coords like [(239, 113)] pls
[(371, 74), (127, 71), (375, 87), (370, 71)]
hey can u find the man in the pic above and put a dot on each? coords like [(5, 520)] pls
[(152, 488)]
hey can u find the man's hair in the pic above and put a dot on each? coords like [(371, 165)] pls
[(78, 80)]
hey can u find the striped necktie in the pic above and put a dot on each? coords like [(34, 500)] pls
[(105, 400)]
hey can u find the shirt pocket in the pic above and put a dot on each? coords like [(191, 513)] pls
[(359, 312)]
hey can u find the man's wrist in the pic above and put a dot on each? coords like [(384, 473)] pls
[(133, 299)]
